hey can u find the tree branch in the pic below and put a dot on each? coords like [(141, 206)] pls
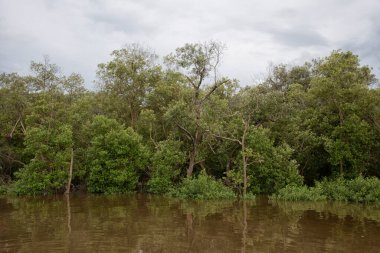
[(14, 127), (191, 81), (12, 159), (187, 132), (226, 138), (23, 128), (214, 87)]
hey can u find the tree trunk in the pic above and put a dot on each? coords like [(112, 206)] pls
[(196, 139), (70, 172), (341, 170), (245, 175), (244, 157), (192, 162)]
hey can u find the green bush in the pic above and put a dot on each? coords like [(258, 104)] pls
[(271, 167), (335, 189), (160, 185), (46, 172), (115, 157), (202, 187), (166, 163), (360, 189), (3, 190), (299, 193)]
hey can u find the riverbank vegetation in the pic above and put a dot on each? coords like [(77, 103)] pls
[(179, 127), (359, 189)]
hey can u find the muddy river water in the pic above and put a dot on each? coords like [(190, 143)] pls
[(142, 223)]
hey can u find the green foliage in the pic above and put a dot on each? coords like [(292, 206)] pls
[(359, 189), (338, 98), (300, 193), (202, 187), (166, 166), (126, 80), (3, 189), (115, 157), (47, 170), (309, 122), (236, 180), (347, 143), (271, 167)]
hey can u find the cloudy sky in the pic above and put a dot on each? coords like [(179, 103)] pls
[(79, 34)]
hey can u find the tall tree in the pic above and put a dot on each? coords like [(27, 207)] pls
[(127, 80), (338, 95), (199, 63), (14, 103)]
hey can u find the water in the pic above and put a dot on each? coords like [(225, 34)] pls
[(142, 223)]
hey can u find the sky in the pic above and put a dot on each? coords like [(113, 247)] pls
[(79, 34)]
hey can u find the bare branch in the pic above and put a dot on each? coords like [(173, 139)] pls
[(226, 138), (12, 159), (187, 132), (23, 128), (211, 148), (14, 127)]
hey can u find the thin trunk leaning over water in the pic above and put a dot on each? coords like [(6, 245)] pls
[(244, 157), (70, 172)]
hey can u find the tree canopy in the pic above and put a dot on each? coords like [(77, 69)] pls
[(154, 127)]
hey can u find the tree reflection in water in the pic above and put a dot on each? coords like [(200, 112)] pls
[(143, 223)]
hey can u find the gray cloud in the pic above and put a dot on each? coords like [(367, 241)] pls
[(80, 34), (299, 38)]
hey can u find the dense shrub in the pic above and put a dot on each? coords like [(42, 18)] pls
[(297, 193), (202, 187), (46, 172), (166, 165), (271, 167), (360, 189), (115, 157)]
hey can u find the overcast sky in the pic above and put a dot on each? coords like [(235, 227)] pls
[(79, 34)]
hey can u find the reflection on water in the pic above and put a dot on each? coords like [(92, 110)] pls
[(142, 223)]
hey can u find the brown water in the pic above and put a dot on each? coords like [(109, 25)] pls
[(141, 223)]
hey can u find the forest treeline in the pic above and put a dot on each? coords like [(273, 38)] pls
[(157, 125)]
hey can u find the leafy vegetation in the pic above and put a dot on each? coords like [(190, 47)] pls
[(115, 157), (300, 193), (166, 166), (360, 189), (202, 187), (47, 171), (152, 127)]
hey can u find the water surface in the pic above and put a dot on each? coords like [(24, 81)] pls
[(143, 223)]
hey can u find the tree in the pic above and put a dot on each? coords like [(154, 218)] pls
[(14, 102), (338, 95), (282, 76), (46, 75), (127, 80), (259, 158), (198, 62)]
